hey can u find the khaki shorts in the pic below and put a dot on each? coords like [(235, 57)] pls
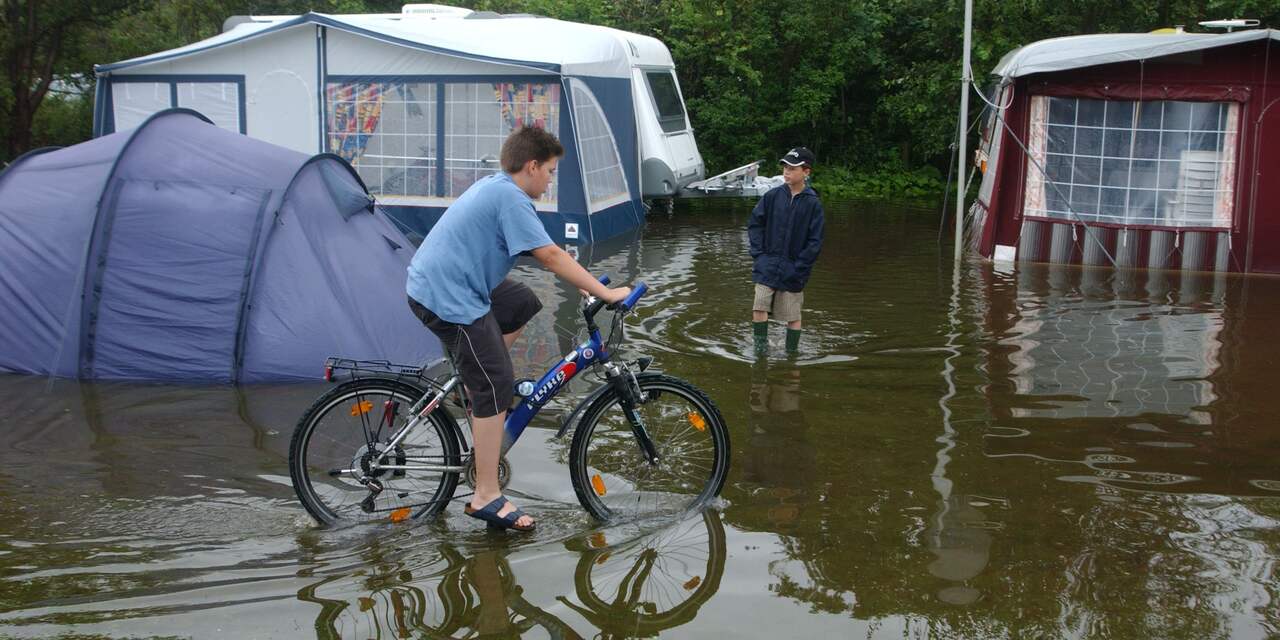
[(781, 305)]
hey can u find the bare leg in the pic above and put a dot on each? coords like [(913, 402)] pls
[(488, 448), (794, 324), (759, 316)]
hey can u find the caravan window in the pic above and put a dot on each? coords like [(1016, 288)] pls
[(666, 97), (387, 131), (478, 117), (1160, 163), (606, 184), (218, 99)]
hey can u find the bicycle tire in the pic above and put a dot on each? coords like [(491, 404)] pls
[(612, 479), (340, 416)]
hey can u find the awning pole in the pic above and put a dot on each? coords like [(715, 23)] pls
[(962, 130)]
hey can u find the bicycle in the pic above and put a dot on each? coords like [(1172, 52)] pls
[(383, 445)]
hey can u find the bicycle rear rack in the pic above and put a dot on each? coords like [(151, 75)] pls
[(336, 368)]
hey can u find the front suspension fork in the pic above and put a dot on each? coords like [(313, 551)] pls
[(630, 397)]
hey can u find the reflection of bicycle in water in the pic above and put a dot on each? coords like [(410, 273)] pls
[(652, 583), (637, 587)]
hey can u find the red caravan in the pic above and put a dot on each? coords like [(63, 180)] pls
[(1139, 150)]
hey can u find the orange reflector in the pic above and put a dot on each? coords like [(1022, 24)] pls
[(697, 421), (598, 484), (361, 408), (400, 515), (693, 583)]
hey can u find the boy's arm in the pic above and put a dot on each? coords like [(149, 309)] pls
[(813, 244), (559, 262), (755, 229)]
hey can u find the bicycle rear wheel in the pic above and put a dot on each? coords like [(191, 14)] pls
[(610, 475), (330, 452)]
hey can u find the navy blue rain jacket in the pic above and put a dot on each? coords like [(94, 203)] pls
[(786, 237)]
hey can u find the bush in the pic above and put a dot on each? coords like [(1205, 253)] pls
[(886, 180)]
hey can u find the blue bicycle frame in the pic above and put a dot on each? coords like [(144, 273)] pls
[(589, 353)]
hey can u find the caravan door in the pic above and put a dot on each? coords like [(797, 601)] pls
[(670, 154)]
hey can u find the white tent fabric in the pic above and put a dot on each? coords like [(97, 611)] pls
[(566, 47), (1074, 52)]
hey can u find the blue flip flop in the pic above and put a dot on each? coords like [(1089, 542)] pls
[(489, 513)]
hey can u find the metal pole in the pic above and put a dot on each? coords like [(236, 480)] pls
[(962, 129)]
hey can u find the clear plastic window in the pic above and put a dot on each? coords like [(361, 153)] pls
[(606, 183), (1159, 163), (387, 131)]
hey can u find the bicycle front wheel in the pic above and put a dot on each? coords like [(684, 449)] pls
[(609, 471), (331, 454)]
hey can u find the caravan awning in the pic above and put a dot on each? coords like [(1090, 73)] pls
[(1074, 52), (540, 44)]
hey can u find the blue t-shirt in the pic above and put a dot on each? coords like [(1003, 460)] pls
[(473, 247)]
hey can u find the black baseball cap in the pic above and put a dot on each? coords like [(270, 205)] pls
[(799, 156)]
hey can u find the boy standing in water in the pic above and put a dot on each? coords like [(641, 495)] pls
[(458, 288), (785, 233)]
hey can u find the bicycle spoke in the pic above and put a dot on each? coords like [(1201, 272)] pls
[(683, 432)]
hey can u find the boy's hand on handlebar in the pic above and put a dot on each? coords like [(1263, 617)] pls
[(616, 294)]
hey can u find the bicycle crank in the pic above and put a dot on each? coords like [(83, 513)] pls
[(504, 472)]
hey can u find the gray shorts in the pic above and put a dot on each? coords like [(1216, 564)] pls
[(781, 305), (477, 349)]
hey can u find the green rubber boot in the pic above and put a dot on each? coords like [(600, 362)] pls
[(793, 339), (760, 332)]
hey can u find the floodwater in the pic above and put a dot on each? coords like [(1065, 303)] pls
[(988, 452)]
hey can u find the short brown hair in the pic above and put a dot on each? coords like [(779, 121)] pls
[(529, 143)]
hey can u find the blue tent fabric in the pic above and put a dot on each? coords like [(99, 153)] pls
[(181, 251)]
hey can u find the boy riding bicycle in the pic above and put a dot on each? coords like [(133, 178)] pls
[(458, 288)]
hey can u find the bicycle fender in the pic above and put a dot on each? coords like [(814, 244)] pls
[(586, 402)]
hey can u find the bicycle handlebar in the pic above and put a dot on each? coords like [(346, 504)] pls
[(637, 292), (627, 304)]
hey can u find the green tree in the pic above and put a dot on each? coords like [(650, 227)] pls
[(40, 42)]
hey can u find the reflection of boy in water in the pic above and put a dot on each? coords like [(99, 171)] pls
[(483, 574), (777, 424)]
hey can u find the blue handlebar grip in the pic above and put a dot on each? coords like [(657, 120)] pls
[(636, 292), (604, 278)]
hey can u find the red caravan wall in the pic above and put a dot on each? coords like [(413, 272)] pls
[(1234, 73)]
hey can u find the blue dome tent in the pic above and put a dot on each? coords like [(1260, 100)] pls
[(182, 251)]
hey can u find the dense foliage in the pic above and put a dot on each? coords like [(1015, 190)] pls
[(871, 86)]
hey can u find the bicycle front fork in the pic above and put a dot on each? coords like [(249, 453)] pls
[(631, 396)]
